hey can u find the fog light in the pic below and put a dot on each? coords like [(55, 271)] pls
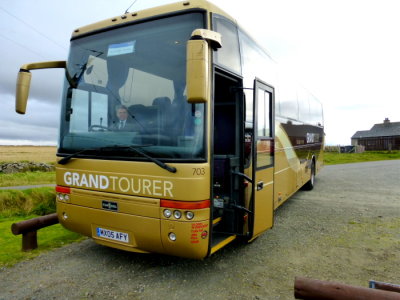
[(65, 216), (189, 215), (172, 236), (167, 213), (177, 214)]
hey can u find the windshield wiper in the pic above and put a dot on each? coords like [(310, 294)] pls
[(74, 80), (66, 159), (154, 160), (159, 163)]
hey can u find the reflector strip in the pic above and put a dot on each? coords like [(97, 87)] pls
[(63, 189), (217, 220), (223, 243), (185, 204)]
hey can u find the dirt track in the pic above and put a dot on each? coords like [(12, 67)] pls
[(347, 229)]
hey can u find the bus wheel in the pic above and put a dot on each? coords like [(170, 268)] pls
[(310, 184)]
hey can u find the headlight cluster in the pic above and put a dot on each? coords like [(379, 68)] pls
[(177, 214), (62, 193), (63, 197)]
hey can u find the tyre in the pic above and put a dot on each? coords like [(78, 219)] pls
[(310, 184)]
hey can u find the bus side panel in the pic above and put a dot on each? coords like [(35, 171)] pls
[(296, 145), (286, 167), (320, 157)]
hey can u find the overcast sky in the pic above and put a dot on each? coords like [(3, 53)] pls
[(346, 52)]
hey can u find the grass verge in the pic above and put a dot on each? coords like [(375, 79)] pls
[(27, 178), (18, 205), (38, 201), (51, 237), (331, 158)]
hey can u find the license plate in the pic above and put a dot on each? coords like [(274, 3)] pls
[(112, 235)]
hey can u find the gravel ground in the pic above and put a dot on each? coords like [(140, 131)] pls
[(346, 230)]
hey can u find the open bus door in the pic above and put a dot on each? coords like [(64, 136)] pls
[(228, 187), (263, 158)]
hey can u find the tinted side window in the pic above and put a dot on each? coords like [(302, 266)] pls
[(288, 104), (316, 113), (255, 64), (228, 56)]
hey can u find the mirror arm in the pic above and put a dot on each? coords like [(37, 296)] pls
[(212, 37), (24, 81), (44, 65)]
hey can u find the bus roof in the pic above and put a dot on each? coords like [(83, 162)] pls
[(132, 17)]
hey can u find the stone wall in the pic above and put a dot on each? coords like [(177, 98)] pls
[(17, 167)]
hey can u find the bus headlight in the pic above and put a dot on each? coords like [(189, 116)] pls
[(177, 214), (189, 215), (167, 213), (63, 197)]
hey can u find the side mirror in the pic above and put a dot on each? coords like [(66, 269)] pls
[(24, 82), (197, 64), (22, 91)]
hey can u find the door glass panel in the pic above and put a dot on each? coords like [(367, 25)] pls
[(263, 113), (267, 105), (264, 153), (264, 129)]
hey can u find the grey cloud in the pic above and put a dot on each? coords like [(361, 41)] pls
[(38, 125), (27, 132), (46, 85)]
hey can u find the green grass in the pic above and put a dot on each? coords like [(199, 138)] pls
[(27, 178), (39, 201), (51, 237), (332, 158), (18, 205)]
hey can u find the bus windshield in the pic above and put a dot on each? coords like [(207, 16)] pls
[(126, 87)]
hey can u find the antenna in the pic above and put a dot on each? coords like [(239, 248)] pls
[(130, 6)]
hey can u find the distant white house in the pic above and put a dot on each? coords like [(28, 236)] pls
[(382, 136)]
